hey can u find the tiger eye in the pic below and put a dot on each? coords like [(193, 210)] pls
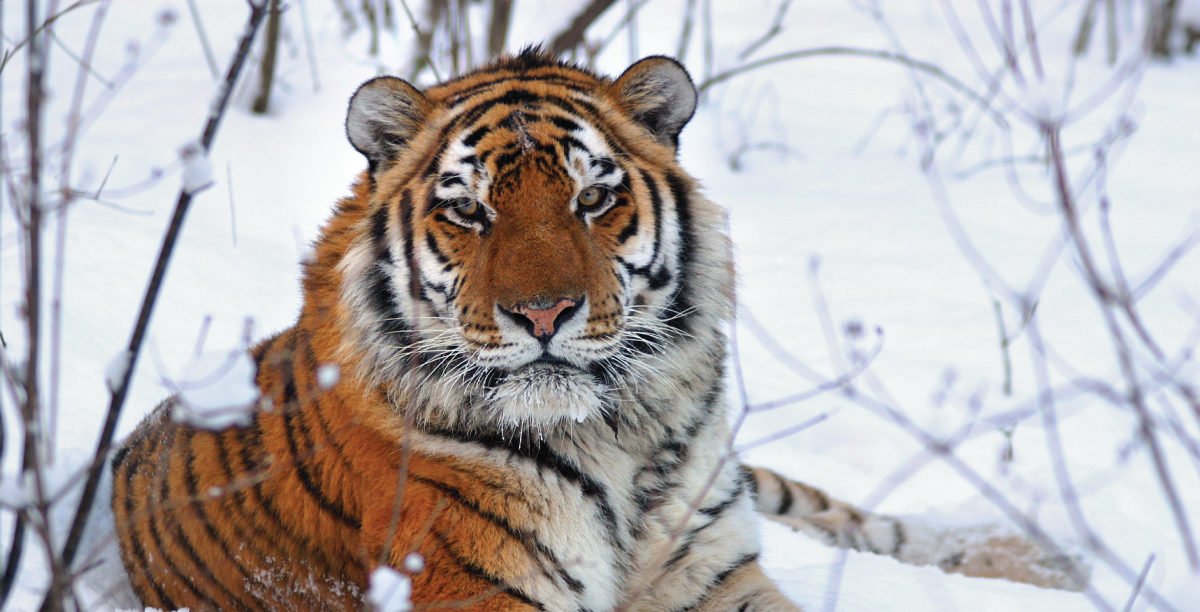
[(590, 197), (468, 208)]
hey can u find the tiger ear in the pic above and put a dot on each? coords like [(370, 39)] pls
[(385, 113), (660, 95)]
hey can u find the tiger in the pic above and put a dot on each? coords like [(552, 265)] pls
[(524, 302)]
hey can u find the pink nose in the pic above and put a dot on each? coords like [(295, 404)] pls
[(543, 319)]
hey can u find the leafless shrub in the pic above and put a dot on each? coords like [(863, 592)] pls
[(450, 36)]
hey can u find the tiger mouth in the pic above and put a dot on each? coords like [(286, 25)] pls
[(552, 362)]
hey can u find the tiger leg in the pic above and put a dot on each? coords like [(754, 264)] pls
[(985, 551), (747, 589)]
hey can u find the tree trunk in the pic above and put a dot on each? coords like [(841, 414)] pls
[(266, 72)]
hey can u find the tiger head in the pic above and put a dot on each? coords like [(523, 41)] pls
[(531, 250)]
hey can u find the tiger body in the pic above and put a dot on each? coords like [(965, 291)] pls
[(525, 297), (597, 480)]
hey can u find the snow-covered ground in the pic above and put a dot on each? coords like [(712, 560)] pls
[(816, 159)]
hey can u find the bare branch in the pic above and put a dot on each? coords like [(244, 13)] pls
[(572, 36), (498, 26), (209, 57), (103, 445), (775, 28), (926, 67)]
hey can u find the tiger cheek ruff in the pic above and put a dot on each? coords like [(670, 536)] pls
[(525, 296)]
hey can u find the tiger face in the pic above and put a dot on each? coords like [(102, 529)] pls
[(525, 254)]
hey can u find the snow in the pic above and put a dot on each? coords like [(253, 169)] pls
[(414, 563), (830, 167), (115, 371), (390, 591), (197, 169), (1189, 12), (1045, 101), (217, 390), (328, 375)]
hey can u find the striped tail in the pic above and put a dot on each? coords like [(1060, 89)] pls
[(984, 550)]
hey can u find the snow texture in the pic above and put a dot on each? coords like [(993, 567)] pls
[(1189, 14), (1045, 101), (116, 370), (197, 168), (328, 375), (414, 563), (390, 591), (829, 167), (217, 390)]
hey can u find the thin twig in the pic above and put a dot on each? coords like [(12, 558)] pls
[(266, 70), (572, 36), (832, 51), (209, 58), (775, 28), (685, 34), (498, 26), (10, 52), (257, 12), (1137, 588), (309, 47), (424, 55)]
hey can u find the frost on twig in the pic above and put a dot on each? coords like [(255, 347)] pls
[(197, 169), (1045, 101), (390, 591), (117, 369), (217, 391)]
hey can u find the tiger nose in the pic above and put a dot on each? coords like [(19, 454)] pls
[(542, 319)]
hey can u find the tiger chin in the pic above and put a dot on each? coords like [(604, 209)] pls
[(526, 298)]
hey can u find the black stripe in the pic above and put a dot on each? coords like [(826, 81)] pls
[(259, 352), (474, 137), (468, 117), (607, 166), (563, 123), (741, 562), (239, 498), (785, 493), (465, 95), (449, 178), (481, 573), (546, 458), (184, 541), (138, 551), (630, 229), (198, 508), (751, 481), (159, 510), (379, 220), (528, 540), (300, 463), (678, 312), (410, 248), (717, 510), (251, 438), (431, 244), (308, 360), (571, 141), (656, 205), (118, 458), (672, 454)]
